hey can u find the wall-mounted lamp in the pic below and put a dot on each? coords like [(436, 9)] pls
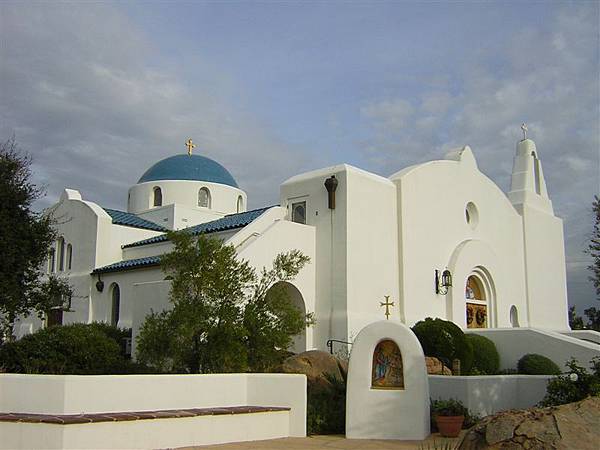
[(331, 184), (99, 284), (442, 283)]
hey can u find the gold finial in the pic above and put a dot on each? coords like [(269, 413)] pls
[(190, 146), (525, 130), (387, 305)]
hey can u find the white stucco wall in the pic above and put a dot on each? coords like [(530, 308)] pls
[(513, 343), (585, 335), (434, 234), (356, 244), (489, 394), (71, 394), (185, 193)]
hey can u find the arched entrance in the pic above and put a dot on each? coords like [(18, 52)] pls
[(479, 295), (299, 341)]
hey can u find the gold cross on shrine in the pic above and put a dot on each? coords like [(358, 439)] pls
[(387, 305), (190, 146)]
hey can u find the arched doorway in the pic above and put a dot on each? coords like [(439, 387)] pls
[(478, 299), (284, 288)]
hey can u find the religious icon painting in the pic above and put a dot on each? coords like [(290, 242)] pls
[(387, 372)]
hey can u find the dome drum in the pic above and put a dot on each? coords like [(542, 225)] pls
[(192, 181)]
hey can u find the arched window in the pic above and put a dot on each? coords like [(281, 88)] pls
[(204, 198), (61, 254), (474, 290), (299, 212), (157, 196), (115, 305), (514, 317), (69, 256), (51, 260), (477, 308), (240, 204)]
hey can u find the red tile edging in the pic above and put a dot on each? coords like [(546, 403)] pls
[(69, 419)]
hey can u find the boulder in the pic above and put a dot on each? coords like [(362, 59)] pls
[(436, 367), (315, 364), (572, 426)]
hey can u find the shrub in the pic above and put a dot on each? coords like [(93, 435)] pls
[(71, 349), (486, 360), (326, 406), (576, 385), (450, 407), (534, 364), (444, 340)]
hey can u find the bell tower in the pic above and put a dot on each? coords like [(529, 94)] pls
[(528, 186), (543, 240)]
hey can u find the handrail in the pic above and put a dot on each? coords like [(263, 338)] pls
[(331, 341)]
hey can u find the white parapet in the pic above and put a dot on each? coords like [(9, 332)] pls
[(513, 343), (488, 394), (73, 395)]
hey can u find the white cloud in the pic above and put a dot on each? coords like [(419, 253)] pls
[(79, 92), (391, 115), (549, 79)]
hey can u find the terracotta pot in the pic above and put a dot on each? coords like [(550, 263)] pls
[(449, 426)]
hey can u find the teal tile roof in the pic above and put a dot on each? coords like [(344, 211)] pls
[(129, 264), (228, 222), (189, 167), (131, 220)]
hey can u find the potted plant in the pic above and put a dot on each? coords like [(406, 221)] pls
[(449, 416)]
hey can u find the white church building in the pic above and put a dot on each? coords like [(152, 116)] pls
[(438, 239)]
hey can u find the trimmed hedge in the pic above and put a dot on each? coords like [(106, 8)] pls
[(446, 341), (78, 349), (534, 364), (486, 360)]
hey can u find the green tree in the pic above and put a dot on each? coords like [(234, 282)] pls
[(224, 318), (575, 321), (594, 247), (24, 243)]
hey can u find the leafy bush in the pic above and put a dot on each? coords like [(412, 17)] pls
[(80, 349), (534, 364), (486, 360), (450, 407), (576, 385), (446, 341), (326, 406)]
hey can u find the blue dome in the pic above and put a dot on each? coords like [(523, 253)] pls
[(189, 167)]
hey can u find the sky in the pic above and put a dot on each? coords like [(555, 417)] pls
[(97, 92)]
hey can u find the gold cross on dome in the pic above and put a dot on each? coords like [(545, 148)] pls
[(190, 146), (387, 305)]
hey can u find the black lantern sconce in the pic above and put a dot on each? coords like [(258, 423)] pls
[(443, 283), (99, 284)]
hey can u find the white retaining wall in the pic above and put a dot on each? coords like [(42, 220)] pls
[(584, 335), (485, 395), (513, 343), (73, 394)]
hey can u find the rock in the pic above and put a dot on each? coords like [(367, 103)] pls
[(567, 427), (501, 429), (436, 367), (314, 364)]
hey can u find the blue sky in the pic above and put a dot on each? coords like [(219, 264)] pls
[(97, 92)]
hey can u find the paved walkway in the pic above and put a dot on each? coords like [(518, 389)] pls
[(331, 442)]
